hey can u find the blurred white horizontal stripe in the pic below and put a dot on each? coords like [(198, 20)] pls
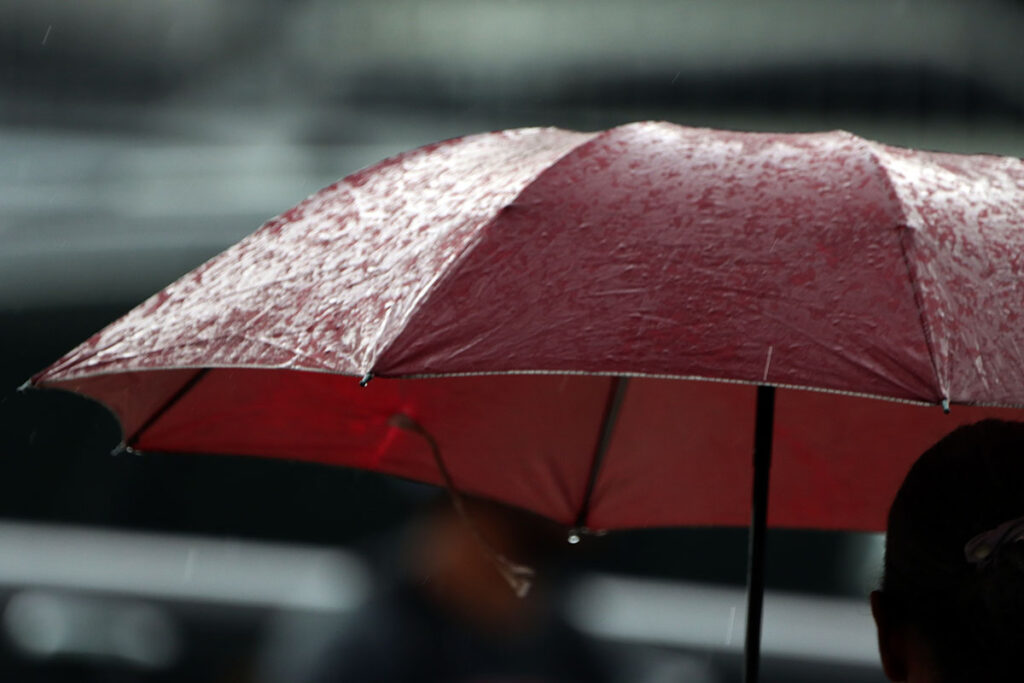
[(241, 573), (705, 617)]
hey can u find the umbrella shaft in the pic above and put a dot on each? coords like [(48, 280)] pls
[(764, 423)]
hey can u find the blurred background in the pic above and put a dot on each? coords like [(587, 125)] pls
[(137, 139)]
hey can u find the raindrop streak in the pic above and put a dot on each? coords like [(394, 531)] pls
[(732, 622), (46, 36), (768, 362)]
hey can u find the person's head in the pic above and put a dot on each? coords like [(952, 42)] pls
[(946, 615)]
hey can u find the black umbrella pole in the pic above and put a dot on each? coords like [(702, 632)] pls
[(764, 423)]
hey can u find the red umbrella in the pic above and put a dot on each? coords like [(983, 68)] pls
[(506, 284)]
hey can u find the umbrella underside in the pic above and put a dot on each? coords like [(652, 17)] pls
[(680, 452)]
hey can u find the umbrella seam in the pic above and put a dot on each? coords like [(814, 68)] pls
[(905, 233), (583, 373), (696, 378)]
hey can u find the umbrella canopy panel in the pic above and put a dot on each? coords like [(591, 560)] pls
[(663, 250), (965, 253), (811, 260), (821, 261)]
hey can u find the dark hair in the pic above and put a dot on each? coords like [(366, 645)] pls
[(971, 614)]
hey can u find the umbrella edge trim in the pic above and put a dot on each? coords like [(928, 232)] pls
[(57, 383)]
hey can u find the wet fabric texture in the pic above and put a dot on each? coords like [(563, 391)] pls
[(821, 261)]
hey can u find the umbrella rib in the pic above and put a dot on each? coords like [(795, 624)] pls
[(616, 393), (168, 404)]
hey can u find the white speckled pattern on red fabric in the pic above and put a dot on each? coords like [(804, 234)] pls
[(329, 283), (819, 260), (965, 251)]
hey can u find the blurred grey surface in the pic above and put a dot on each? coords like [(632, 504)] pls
[(138, 139), (129, 598)]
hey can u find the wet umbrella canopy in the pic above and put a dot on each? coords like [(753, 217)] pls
[(499, 287)]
